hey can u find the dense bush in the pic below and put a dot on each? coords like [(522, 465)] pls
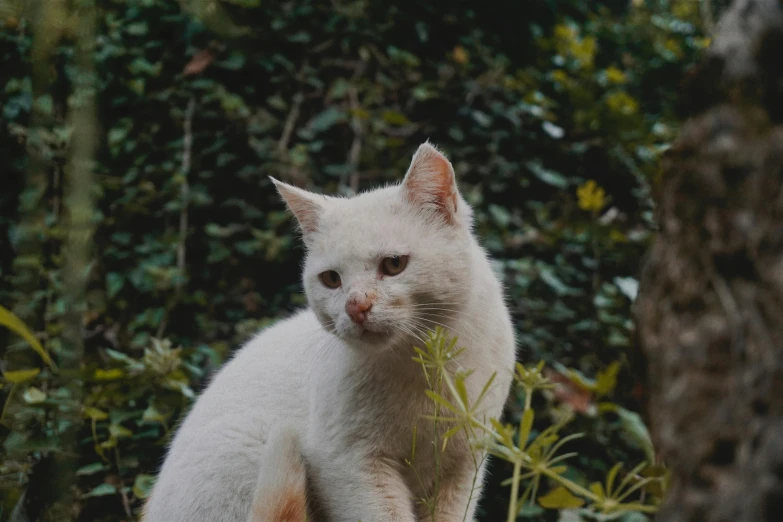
[(553, 113)]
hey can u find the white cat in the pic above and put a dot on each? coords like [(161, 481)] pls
[(335, 386)]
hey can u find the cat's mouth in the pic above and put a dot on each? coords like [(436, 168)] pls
[(371, 334)]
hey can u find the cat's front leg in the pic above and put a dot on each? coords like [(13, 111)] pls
[(458, 494), (369, 489)]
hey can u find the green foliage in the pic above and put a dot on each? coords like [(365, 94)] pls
[(554, 119), (534, 456)]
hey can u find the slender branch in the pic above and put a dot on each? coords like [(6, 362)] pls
[(184, 194), (293, 114), (187, 147), (290, 123), (354, 154)]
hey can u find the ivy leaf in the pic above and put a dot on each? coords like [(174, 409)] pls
[(560, 498)]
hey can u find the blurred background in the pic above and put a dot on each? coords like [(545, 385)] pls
[(141, 241)]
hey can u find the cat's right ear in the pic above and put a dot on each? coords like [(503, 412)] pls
[(305, 206)]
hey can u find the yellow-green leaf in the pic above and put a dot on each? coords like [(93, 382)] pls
[(108, 375), (525, 426), (615, 76), (95, 413), (606, 380), (611, 476), (108, 444), (439, 399), (598, 489), (560, 498), (142, 486), (33, 395), (13, 323), (120, 432), (17, 376)]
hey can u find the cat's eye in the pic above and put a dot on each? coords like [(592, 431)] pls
[(330, 279), (393, 265)]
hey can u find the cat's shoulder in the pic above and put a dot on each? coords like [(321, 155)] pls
[(298, 325), (276, 344)]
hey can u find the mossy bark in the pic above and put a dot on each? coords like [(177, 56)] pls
[(710, 309)]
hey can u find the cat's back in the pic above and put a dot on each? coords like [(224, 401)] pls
[(213, 462), (263, 380)]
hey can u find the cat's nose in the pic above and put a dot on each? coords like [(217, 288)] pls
[(358, 309)]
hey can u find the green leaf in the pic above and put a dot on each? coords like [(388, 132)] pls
[(17, 376), (101, 491), (550, 177), (525, 426), (108, 375), (560, 498), (610, 477), (95, 413), (137, 28), (395, 118), (326, 119), (142, 486), (151, 414), (500, 215), (439, 399), (91, 469), (598, 489), (114, 283), (606, 380), (121, 432), (33, 395), (634, 426), (15, 324)]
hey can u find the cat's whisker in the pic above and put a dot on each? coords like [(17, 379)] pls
[(406, 329), (435, 303), (460, 334), (426, 315), (451, 310), (317, 334), (321, 351), (320, 338), (422, 330)]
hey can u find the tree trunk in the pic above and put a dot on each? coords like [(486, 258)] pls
[(710, 310)]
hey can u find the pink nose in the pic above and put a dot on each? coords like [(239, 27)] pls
[(358, 309)]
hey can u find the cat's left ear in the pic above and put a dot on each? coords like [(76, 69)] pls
[(430, 183), (305, 206)]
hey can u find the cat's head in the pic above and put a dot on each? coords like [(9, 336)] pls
[(385, 266)]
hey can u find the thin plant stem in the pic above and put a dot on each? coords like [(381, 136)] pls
[(512, 503)]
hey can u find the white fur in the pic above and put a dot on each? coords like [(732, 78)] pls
[(353, 396)]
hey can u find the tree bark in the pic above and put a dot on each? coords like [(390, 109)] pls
[(710, 310)]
